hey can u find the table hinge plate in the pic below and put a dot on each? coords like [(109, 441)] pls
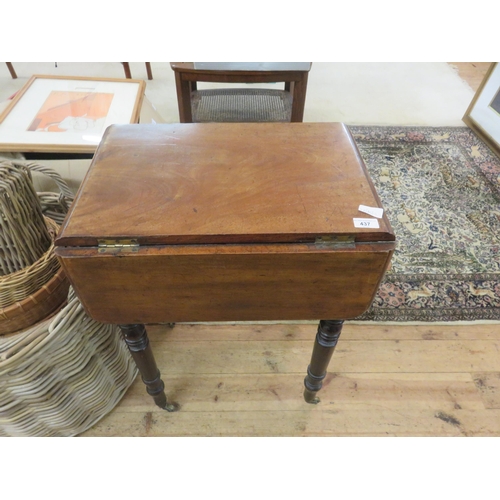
[(117, 246), (334, 241)]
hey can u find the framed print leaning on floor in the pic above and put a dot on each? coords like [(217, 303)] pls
[(483, 114), (68, 114)]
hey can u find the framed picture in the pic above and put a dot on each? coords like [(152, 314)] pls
[(483, 114), (61, 114)]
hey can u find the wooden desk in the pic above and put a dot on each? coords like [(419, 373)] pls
[(188, 73), (225, 222)]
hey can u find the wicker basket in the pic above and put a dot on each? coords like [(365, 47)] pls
[(24, 237), (54, 205), (60, 377), (15, 287), (36, 307), (32, 294)]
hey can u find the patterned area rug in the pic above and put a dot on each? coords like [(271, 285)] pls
[(441, 191)]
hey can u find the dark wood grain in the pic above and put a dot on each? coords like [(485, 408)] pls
[(179, 283)]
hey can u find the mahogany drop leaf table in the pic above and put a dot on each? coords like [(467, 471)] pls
[(225, 222)]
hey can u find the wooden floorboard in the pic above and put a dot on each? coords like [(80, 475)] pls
[(247, 380), (329, 422), (307, 332), (449, 392), (384, 356), (384, 380)]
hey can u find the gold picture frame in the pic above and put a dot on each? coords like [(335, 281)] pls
[(483, 114), (67, 114)]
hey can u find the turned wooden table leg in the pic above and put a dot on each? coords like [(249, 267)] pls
[(137, 341), (324, 345)]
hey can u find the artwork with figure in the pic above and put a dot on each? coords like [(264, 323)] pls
[(72, 111)]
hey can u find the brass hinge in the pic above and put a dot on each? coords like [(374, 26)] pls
[(117, 246), (335, 241)]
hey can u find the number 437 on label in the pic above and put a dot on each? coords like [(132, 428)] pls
[(367, 223)]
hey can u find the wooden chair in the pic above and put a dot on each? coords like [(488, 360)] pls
[(243, 104)]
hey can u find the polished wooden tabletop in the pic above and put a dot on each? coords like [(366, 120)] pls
[(223, 183)]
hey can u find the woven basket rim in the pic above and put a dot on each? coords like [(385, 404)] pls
[(31, 328), (52, 224), (37, 306), (36, 297), (32, 273)]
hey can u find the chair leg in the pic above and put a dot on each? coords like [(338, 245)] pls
[(126, 68), (11, 69), (128, 74)]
